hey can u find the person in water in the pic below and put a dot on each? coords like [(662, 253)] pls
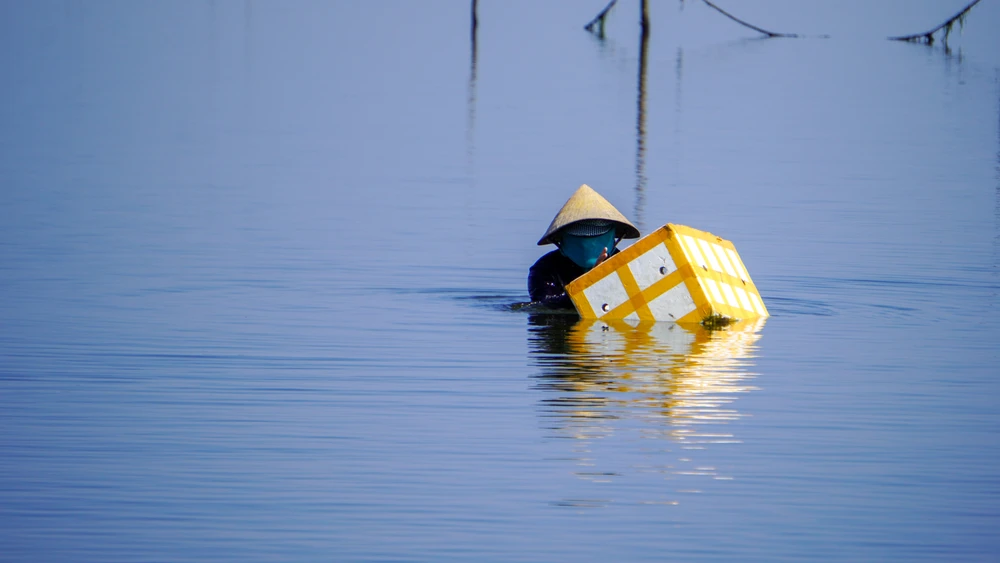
[(586, 231)]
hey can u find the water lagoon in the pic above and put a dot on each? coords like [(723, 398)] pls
[(258, 265)]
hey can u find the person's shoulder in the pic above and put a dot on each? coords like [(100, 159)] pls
[(548, 260)]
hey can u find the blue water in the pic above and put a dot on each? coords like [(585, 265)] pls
[(259, 265)]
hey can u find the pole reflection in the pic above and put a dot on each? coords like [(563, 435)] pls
[(470, 125), (606, 384), (996, 206), (640, 122)]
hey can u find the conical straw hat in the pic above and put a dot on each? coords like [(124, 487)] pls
[(587, 204)]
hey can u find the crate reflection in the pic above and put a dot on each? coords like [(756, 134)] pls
[(676, 379)]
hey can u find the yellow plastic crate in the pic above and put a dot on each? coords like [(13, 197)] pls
[(676, 274)]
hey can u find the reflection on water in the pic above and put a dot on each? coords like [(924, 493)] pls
[(656, 381), (470, 126), (640, 122)]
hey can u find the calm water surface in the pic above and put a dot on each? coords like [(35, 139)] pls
[(257, 262)]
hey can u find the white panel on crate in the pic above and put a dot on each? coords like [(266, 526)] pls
[(714, 288), (756, 304), (721, 252), (744, 300), (652, 266), (730, 296), (693, 251), (738, 264), (672, 304), (606, 294), (712, 260)]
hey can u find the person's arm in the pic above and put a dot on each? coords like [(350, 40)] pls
[(556, 300), (546, 287)]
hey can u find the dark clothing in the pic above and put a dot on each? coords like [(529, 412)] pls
[(548, 277)]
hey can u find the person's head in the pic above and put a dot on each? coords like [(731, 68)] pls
[(585, 226)]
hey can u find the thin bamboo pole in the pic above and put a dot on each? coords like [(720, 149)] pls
[(928, 36)]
